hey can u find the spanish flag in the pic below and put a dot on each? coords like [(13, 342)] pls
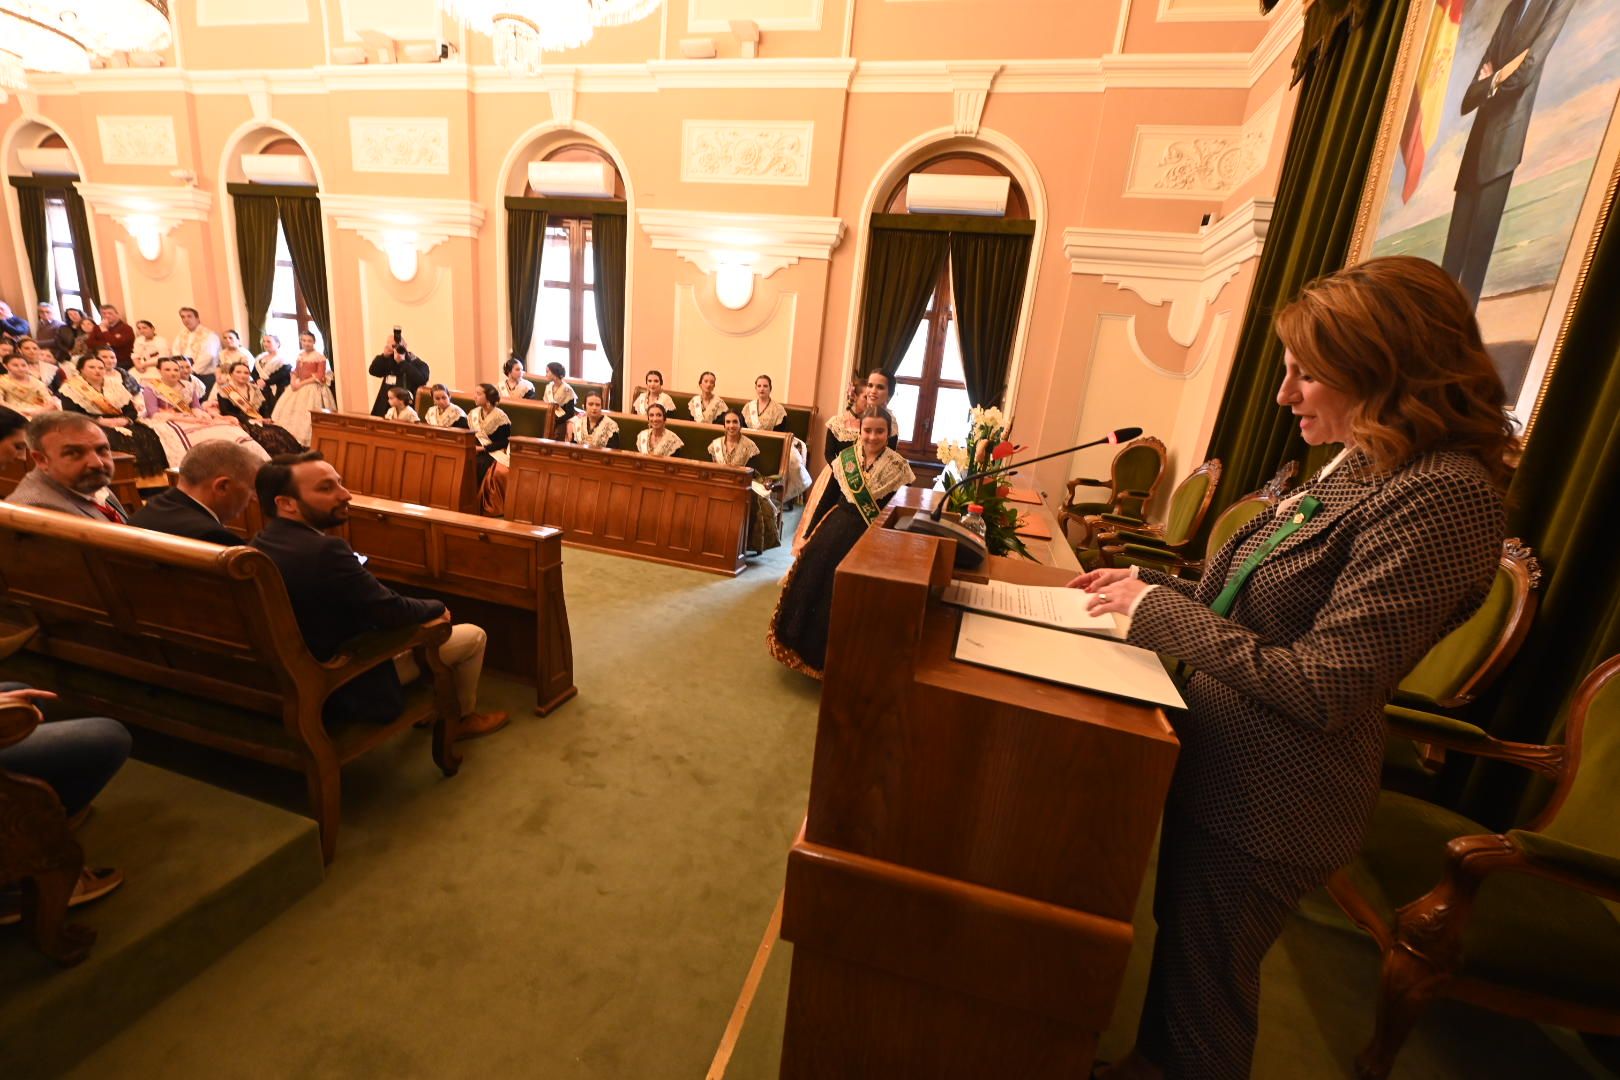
[(1429, 89)]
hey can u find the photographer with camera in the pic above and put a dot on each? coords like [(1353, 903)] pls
[(396, 365)]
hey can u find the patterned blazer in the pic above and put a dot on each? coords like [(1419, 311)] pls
[(1283, 738)]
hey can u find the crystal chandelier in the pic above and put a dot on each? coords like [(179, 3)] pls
[(523, 29), (65, 35)]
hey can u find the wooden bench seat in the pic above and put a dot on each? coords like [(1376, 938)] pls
[(200, 642), (696, 437), (393, 459), (801, 419)]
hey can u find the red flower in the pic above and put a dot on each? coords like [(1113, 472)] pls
[(1005, 450), (1004, 490)]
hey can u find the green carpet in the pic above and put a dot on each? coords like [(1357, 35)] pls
[(585, 898)]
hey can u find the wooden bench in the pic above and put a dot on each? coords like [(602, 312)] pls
[(123, 482), (199, 642), (394, 459), (582, 387), (504, 576), (696, 437), (668, 510), (801, 419)]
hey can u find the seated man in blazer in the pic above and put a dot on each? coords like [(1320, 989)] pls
[(73, 467), (215, 486), (335, 598)]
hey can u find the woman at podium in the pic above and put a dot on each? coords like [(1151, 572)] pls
[(1299, 631), (844, 502)]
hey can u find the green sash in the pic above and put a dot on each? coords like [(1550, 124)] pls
[(1308, 506), (855, 483)]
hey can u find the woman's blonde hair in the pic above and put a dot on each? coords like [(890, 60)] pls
[(1398, 336)]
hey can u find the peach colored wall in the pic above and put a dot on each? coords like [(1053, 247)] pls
[(1067, 120)]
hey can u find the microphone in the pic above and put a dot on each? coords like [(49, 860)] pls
[(1118, 435), (970, 547)]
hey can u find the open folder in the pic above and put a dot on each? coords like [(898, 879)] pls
[(1090, 663), (1054, 606)]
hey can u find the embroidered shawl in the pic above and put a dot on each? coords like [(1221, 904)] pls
[(741, 454), (667, 446)]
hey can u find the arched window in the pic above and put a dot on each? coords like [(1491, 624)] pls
[(281, 248), (55, 222), (289, 313), (931, 397), (566, 329)]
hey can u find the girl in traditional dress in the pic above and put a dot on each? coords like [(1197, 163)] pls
[(494, 430), (444, 412), (271, 371), (657, 439), (653, 392), (309, 389), (708, 407), (238, 399), (592, 428), (560, 396), (22, 390), (231, 351), (513, 385), (174, 412), (735, 448), (845, 502), (42, 364), (104, 398), (844, 430), (399, 406), (763, 414)]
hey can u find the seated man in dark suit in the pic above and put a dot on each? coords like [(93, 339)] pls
[(215, 486), (335, 598)]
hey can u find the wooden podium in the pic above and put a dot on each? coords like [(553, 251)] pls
[(960, 897)]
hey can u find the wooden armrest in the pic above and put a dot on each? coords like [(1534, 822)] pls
[(17, 722), (1572, 865), (1148, 551), (360, 654), (1444, 731), (1084, 481), (13, 638), (1134, 524)]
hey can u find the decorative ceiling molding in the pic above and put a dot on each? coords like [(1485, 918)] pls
[(1185, 270), (562, 85), (1205, 163), (970, 90), (746, 152), (764, 242)]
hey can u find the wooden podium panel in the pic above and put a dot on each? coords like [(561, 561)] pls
[(393, 459), (960, 899), (669, 510)]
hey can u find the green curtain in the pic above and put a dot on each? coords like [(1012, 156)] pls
[(902, 269), (256, 217), (31, 210), (525, 242), (1562, 504), (987, 279), (608, 236), (1347, 65), (79, 227), (301, 222)]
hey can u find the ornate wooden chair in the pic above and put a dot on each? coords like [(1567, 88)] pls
[(1463, 664), (1188, 505), (1522, 922), (1133, 478), (1227, 524)]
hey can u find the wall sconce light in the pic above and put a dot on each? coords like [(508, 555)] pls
[(147, 232), (734, 285), (401, 248)]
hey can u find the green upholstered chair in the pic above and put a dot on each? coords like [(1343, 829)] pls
[(1132, 480), (1154, 556), (1188, 505), (1462, 665), (1522, 922)]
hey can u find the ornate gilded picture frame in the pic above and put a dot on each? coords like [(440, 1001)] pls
[(1498, 157)]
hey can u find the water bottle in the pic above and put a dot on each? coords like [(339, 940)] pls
[(973, 520)]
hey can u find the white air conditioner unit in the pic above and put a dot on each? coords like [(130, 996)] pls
[(947, 193), (577, 179), (277, 169), (48, 161)]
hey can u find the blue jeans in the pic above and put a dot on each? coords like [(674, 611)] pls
[(75, 757)]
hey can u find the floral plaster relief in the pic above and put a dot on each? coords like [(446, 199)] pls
[(726, 152)]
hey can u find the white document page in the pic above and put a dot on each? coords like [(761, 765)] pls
[(1054, 606), (1090, 663)]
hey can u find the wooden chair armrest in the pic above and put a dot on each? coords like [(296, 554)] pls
[(360, 654), (1084, 481), (17, 722), (1569, 864), (1432, 729), (13, 638), (1148, 551), (1128, 521)]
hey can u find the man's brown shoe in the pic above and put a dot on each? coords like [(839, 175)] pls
[(477, 724)]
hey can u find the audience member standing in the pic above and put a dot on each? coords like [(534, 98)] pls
[(271, 371), (112, 333), (53, 334), (396, 365), (147, 351), (308, 389), (215, 486), (335, 598), (73, 469), (199, 344)]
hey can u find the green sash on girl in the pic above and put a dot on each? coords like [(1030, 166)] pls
[(855, 483)]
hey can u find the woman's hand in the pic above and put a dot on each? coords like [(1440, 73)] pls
[(1092, 580), (1116, 597)]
